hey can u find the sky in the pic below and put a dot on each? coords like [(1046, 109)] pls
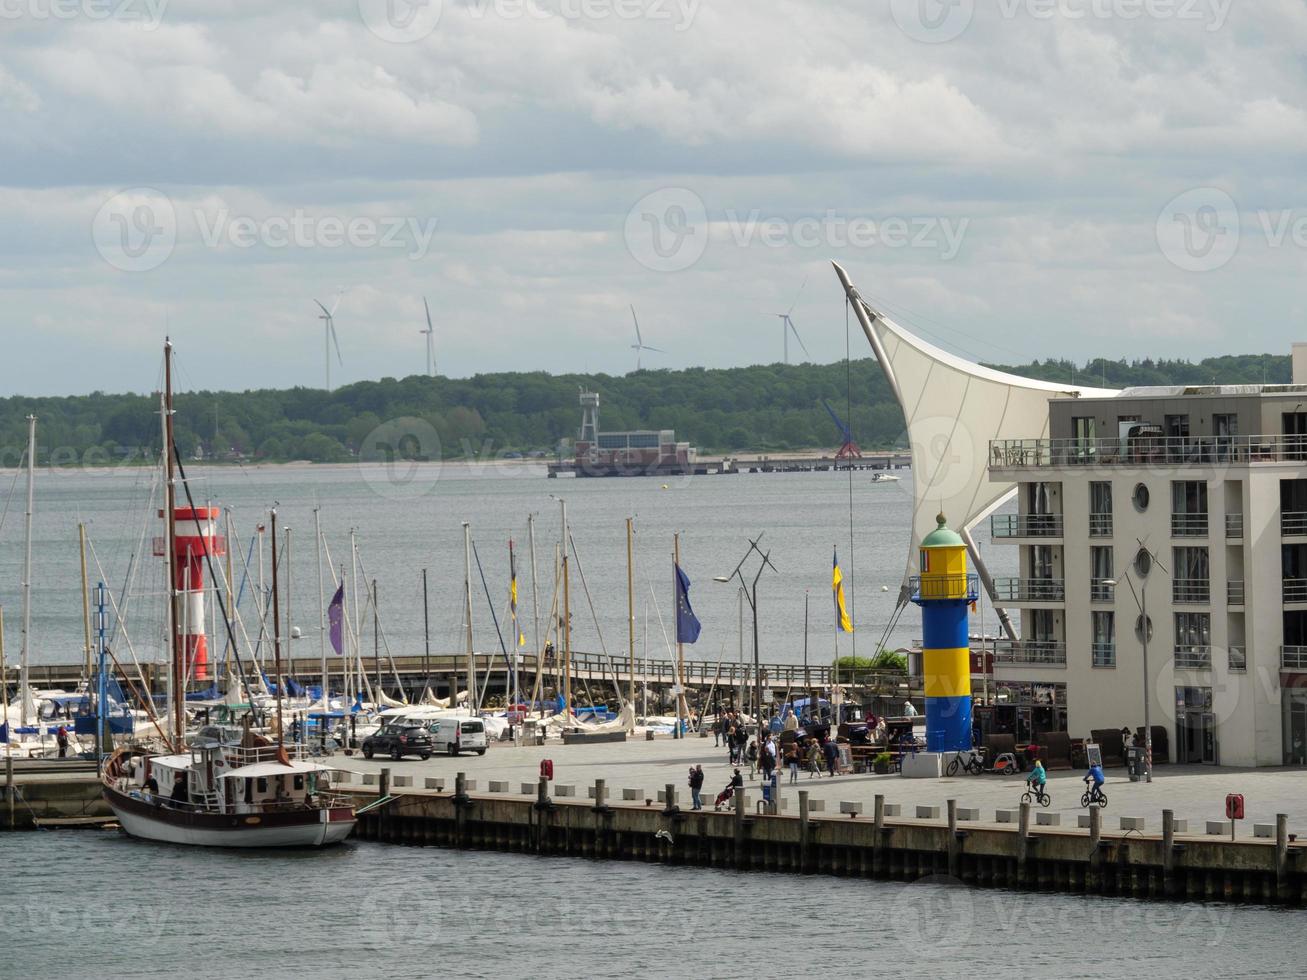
[(1014, 179)]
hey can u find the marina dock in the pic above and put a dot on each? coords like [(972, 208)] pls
[(772, 463)]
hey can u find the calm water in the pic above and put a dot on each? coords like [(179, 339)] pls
[(96, 904), (406, 521)]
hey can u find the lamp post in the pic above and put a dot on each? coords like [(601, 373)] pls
[(749, 590), (1145, 629)]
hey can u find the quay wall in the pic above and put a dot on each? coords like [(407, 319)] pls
[(1075, 861)]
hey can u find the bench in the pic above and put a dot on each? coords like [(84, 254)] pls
[(634, 794), (893, 809), (1006, 816), (1132, 823), (403, 781), (851, 807), (968, 813), (499, 786), (529, 789), (1219, 828), (927, 812), (1045, 819), (1263, 830), (434, 782), (564, 789)]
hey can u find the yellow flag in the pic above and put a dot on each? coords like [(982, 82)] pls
[(842, 621)]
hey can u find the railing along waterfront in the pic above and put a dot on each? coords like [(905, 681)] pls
[(1148, 451), (1026, 525), (1193, 656), (1030, 589), (1033, 653)]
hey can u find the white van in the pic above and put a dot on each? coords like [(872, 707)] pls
[(455, 735)]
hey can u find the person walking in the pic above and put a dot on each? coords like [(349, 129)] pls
[(792, 761), (832, 753), (696, 787), (814, 759), (61, 737)]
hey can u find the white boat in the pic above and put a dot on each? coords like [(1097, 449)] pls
[(880, 476)]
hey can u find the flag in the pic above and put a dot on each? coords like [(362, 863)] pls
[(336, 618), (687, 623), (512, 593), (837, 586)]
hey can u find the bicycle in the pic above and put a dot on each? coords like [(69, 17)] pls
[(1093, 795), (1037, 794), (974, 763)]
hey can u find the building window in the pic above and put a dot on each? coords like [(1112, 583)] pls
[(1190, 575), (1188, 508), (1225, 425), (1100, 509), (1104, 642), (1100, 571), (1193, 641), (1176, 426), (1141, 497)]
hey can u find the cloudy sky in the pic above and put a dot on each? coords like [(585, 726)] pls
[(1016, 178)]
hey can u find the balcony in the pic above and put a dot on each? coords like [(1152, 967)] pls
[(931, 587), (1234, 592), (1101, 591), (1104, 655), (1019, 590), (1188, 525), (1234, 526), (1293, 523), (1026, 525), (1192, 656), (1100, 525), (1237, 660), (1144, 451), (1033, 653), (1191, 590), (1294, 589), (1293, 658)]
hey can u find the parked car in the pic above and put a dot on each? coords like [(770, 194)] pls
[(455, 735), (398, 741)]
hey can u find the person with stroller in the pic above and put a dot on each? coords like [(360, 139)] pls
[(724, 797)]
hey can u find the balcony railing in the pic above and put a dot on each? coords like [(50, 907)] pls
[(1188, 525), (1234, 526), (1033, 653), (1030, 589), (1104, 654), (1191, 590), (1100, 525), (1295, 590), (1293, 658), (1294, 522), (1237, 660), (1100, 591), (1234, 592), (1148, 451), (1026, 525), (1192, 656), (944, 587)]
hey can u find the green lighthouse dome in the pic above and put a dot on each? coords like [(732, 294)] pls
[(942, 536)]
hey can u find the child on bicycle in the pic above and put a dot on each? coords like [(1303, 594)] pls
[(1037, 778), (1095, 777)]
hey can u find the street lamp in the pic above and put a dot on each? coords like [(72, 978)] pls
[(1145, 631), (750, 592)]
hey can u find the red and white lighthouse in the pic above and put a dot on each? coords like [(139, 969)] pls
[(196, 536)]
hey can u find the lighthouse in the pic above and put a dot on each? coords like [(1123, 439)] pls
[(945, 591), (196, 536)]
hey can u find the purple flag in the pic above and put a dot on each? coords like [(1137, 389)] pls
[(335, 616)]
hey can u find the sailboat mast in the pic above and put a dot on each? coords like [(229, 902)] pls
[(467, 612), (24, 682), (567, 618), (630, 616), (322, 614), (680, 647), (535, 598), (86, 602), (178, 703), (276, 631)]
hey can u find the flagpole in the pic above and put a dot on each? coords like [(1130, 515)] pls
[(535, 598), (630, 613), (467, 611), (567, 619), (517, 636), (680, 647), (322, 617)]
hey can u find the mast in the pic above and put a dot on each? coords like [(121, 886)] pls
[(376, 641), (517, 649), (567, 620), (630, 615), (178, 688), (426, 637), (680, 647), (467, 612), (322, 614), (24, 683), (276, 632), (4, 680), (535, 598), (86, 602)]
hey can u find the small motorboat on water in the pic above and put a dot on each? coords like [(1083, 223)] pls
[(880, 476)]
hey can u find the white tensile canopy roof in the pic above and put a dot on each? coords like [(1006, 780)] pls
[(953, 409), (265, 769)]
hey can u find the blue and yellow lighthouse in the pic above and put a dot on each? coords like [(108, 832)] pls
[(945, 591)]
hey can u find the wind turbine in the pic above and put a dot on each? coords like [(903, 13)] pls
[(431, 343), (639, 345), (787, 325), (329, 334)]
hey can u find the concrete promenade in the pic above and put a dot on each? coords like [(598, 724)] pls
[(1194, 793)]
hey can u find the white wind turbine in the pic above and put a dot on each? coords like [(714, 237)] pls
[(639, 346), (329, 334), (431, 343), (787, 325)]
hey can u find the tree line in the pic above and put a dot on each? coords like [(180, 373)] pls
[(765, 408)]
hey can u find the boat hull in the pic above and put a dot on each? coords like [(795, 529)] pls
[(295, 828)]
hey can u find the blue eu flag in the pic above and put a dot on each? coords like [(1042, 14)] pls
[(687, 623)]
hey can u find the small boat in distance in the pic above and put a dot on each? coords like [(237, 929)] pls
[(880, 476)]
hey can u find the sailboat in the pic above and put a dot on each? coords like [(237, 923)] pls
[(220, 793)]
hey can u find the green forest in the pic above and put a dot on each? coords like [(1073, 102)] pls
[(765, 408)]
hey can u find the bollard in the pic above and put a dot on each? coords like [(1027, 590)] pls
[(953, 842), (1168, 843), (384, 789), (669, 797), (542, 793), (878, 818), (1281, 854), (1023, 839), (600, 790), (9, 786), (1095, 827), (460, 786)]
